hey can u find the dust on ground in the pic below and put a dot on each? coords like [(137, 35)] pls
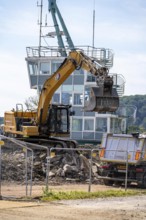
[(133, 207), (97, 209)]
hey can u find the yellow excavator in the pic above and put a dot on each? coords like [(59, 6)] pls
[(52, 120)]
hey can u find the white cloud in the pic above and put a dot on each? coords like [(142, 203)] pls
[(14, 82), (26, 25), (133, 68), (121, 28)]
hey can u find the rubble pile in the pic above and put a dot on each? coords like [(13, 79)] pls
[(70, 165), (65, 166), (13, 166)]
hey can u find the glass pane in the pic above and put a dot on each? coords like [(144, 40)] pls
[(87, 93), (56, 98), (101, 124), (66, 98), (61, 123), (33, 68), (90, 78), (79, 88), (115, 125), (67, 88), (55, 66), (78, 99), (45, 68), (80, 71), (89, 124), (77, 124)]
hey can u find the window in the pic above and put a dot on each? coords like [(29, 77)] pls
[(78, 99), (66, 98), (45, 68), (87, 94), (80, 71), (77, 124), (33, 68), (89, 124), (62, 122), (55, 66), (101, 124), (79, 88), (115, 125), (90, 78), (56, 98), (67, 88)]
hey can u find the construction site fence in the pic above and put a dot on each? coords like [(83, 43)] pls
[(25, 187), (26, 150)]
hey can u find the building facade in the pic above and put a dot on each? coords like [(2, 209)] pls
[(85, 126)]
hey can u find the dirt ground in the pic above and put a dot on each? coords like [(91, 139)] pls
[(94, 209), (97, 209), (18, 191)]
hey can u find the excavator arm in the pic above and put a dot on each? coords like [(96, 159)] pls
[(102, 96)]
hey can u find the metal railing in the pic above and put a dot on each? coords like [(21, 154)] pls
[(103, 56)]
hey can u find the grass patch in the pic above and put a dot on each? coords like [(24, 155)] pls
[(49, 195)]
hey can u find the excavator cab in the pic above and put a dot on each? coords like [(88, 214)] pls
[(58, 122), (103, 98)]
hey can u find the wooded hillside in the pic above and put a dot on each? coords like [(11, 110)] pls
[(140, 102)]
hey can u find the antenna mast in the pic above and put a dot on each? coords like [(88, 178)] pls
[(93, 24), (40, 23)]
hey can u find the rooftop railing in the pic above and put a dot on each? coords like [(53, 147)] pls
[(102, 55)]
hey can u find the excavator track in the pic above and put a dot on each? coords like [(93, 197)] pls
[(51, 142)]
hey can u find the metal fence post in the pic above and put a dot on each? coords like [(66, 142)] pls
[(126, 176), (47, 170), (0, 172), (31, 174), (1, 143), (26, 172), (90, 173), (47, 149)]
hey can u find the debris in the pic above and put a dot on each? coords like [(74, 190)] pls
[(64, 165)]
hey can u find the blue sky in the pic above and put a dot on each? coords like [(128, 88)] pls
[(119, 25)]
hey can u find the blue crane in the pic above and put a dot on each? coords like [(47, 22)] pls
[(55, 12)]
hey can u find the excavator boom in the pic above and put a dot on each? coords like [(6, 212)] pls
[(53, 120), (103, 97)]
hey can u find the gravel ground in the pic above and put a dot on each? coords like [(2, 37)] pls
[(98, 209), (126, 208)]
